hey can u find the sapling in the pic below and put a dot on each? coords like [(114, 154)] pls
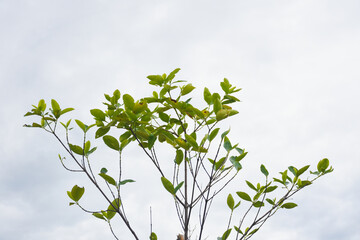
[(204, 160)]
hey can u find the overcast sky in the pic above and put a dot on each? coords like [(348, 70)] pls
[(296, 61)]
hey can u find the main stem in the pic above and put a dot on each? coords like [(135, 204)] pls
[(186, 205)]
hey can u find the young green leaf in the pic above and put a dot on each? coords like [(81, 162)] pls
[(187, 89), (323, 165), (153, 236), (123, 182), (128, 101), (66, 110), (293, 170), (151, 141), (191, 140), (111, 142), (227, 144), (226, 234), (289, 205), (230, 202), (225, 133), (264, 170), (108, 179), (99, 215), (81, 125), (98, 114), (217, 102), (101, 131), (270, 189), (251, 186), (76, 149), (77, 192), (213, 134), (179, 156), (302, 170), (220, 163), (258, 204), (56, 108), (164, 117), (244, 195), (113, 208), (207, 96), (178, 187), (168, 185), (116, 95), (87, 147), (222, 114), (235, 163)]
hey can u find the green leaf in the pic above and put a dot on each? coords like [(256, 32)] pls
[(225, 85), (156, 80), (111, 142), (187, 89), (207, 96), (116, 95), (258, 204), (225, 133), (178, 187), (284, 176), (103, 170), (151, 141), (220, 163), (251, 185), (244, 196), (172, 75), (323, 165), (108, 179), (81, 125), (113, 208), (168, 185), (101, 131), (126, 181), (191, 140), (179, 156), (87, 147), (56, 108), (42, 105), (270, 201), (182, 143), (125, 136), (264, 170), (76, 149), (222, 114), (270, 189), (98, 114), (235, 163), (99, 215), (153, 236), (91, 151), (66, 110), (293, 170), (128, 101), (217, 102), (289, 205), (302, 170), (226, 234), (227, 144), (213, 134), (164, 117), (76, 193), (230, 202)]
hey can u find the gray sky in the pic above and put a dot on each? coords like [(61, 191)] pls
[(298, 65)]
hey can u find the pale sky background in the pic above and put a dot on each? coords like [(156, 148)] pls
[(297, 62)]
